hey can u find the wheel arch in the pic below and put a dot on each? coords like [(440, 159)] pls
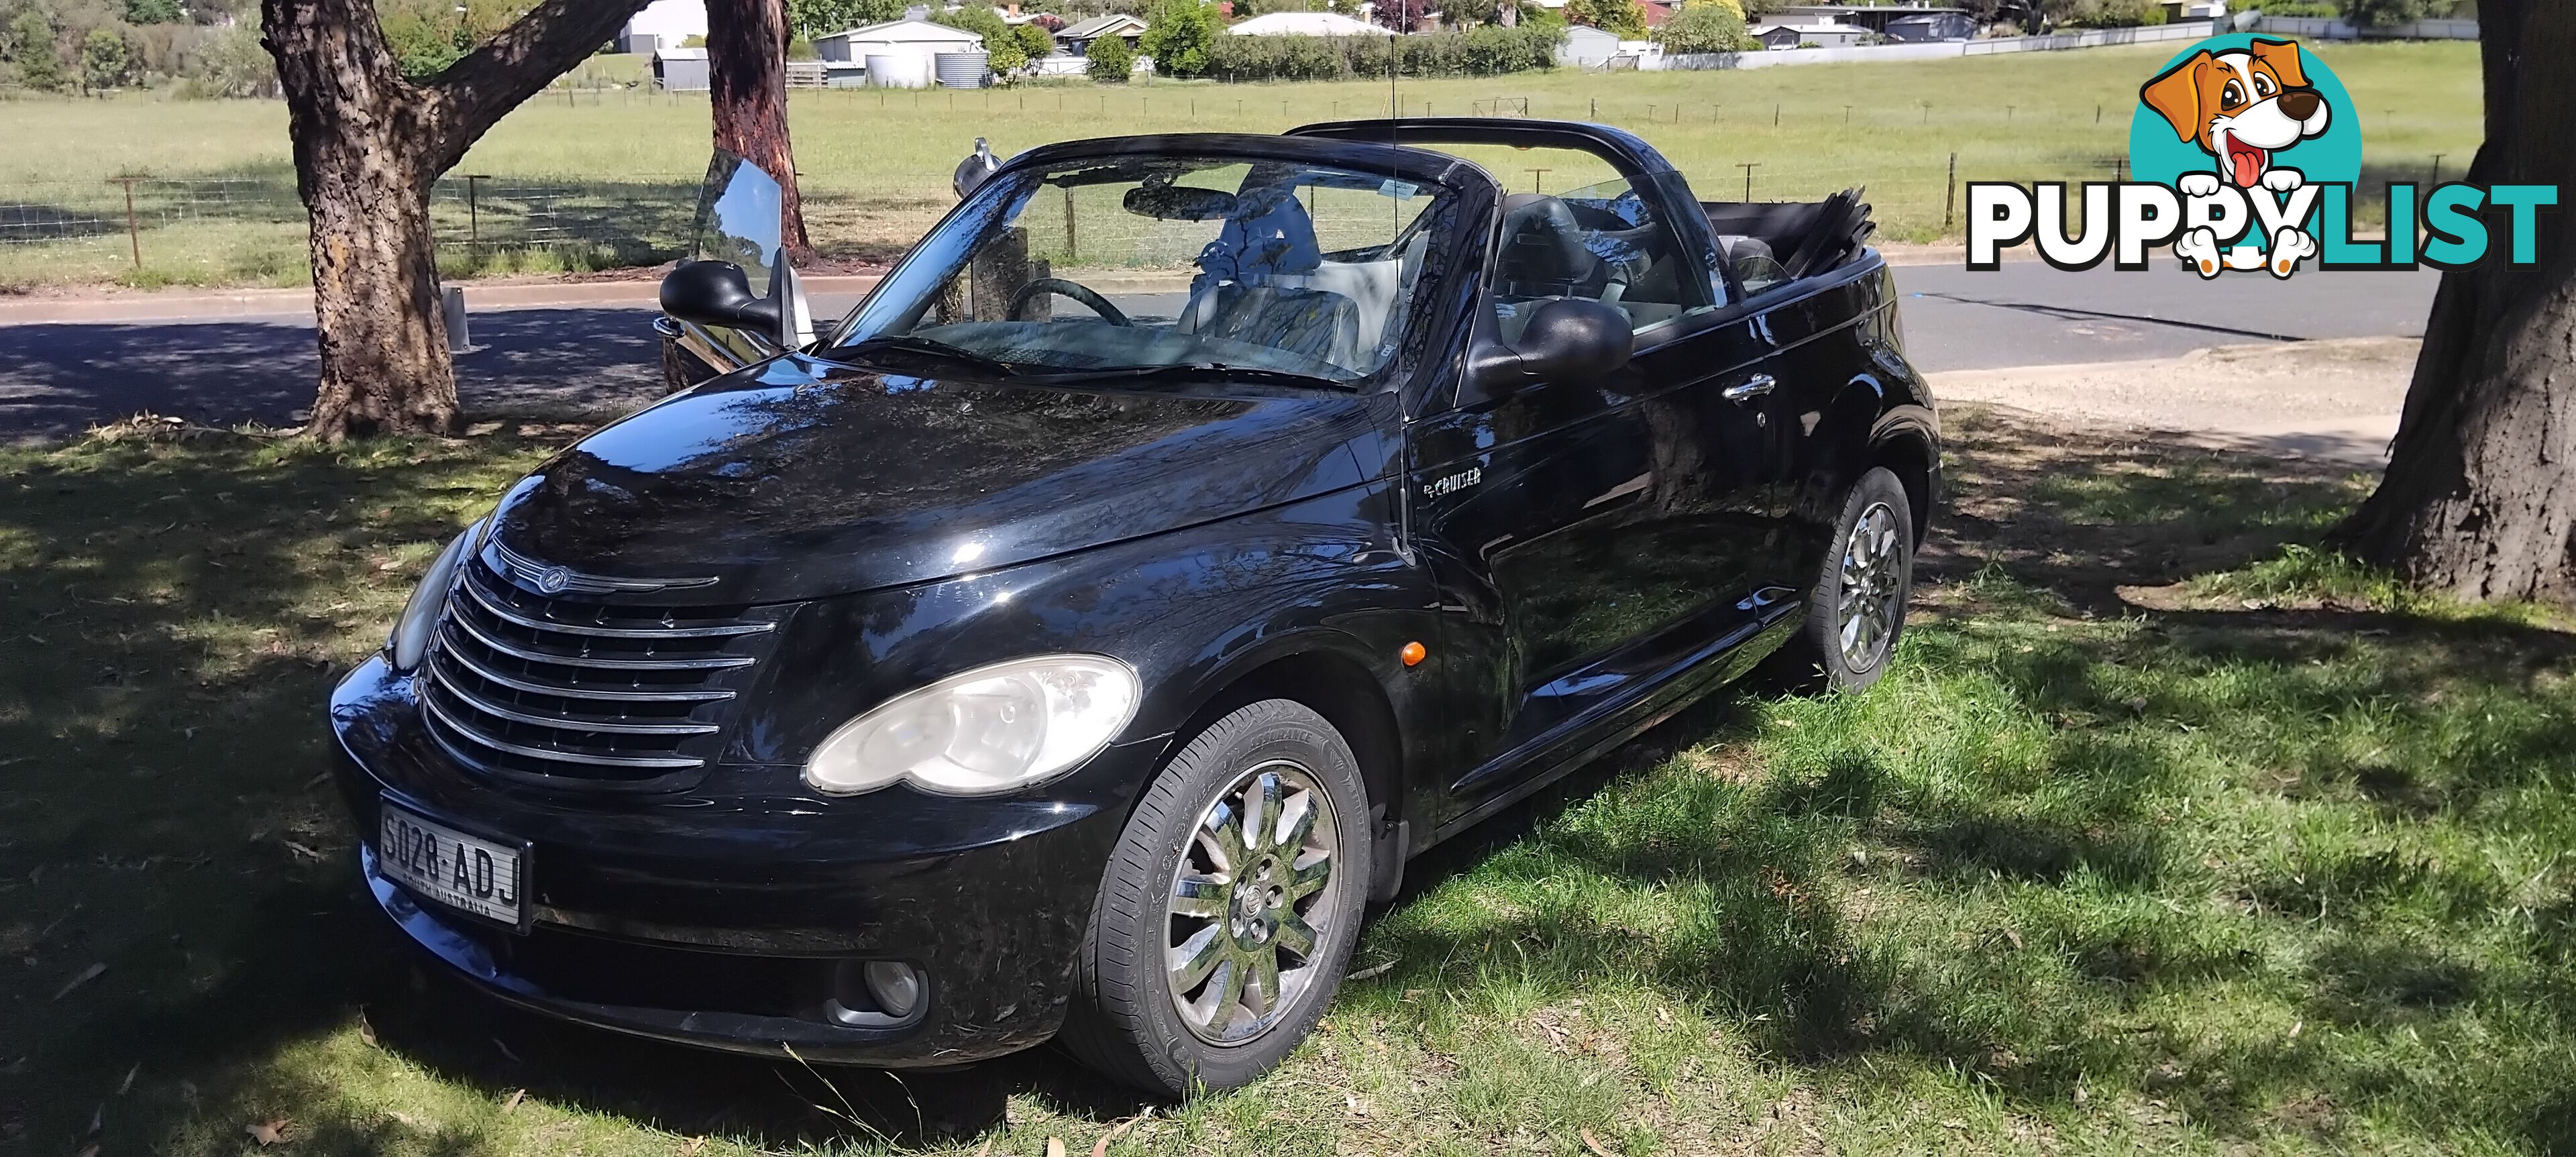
[(1905, 441), (1328, 676)]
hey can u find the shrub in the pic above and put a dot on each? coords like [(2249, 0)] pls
[(2383, 13), (233, 65), (978, 19), (105, 60), (1486, 50), (2116, 13), (1110, 60), (2304, 9), (1703, 26), (1178, 36), (1035, 39)]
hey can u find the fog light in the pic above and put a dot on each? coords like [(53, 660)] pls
[(894, 985)]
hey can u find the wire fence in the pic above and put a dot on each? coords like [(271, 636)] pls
[(234, 230)]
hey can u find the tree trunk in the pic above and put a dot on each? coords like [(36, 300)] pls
[(2480, 499), (375, 278), (369, 146), (747, 83)]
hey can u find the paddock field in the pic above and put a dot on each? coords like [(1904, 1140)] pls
[(587, 178)]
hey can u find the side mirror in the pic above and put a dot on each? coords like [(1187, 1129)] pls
[(718, 293), (1568, 339)]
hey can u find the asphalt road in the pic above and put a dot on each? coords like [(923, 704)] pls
[(2028, 314), (57, 379)]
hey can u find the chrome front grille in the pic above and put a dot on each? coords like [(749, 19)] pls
[(584, 695)]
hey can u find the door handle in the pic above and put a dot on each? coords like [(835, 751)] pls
[(1750, 388)]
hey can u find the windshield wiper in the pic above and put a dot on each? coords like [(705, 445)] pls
[(1222, 370), (906, 343)]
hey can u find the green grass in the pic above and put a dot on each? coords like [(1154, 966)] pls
[(875, 165), (2077, 876)]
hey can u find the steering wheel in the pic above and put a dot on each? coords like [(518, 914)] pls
[(1041, 286)]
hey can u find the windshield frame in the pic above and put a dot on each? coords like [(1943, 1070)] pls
[(1454, 249)]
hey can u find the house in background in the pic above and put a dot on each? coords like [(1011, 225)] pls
[(911, 37), (1908, 22), (663, 24), (680, 69), (1936, 24), (1306, 24), (1077, 37), (1776, 36)]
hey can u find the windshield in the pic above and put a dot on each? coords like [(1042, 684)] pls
[(1142, 263)]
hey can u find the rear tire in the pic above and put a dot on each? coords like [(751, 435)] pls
[(1270, 907), (1856, 606)]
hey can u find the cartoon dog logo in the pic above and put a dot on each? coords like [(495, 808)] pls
[(2243, 107)]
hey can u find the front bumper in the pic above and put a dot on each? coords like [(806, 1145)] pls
[(734, 921)]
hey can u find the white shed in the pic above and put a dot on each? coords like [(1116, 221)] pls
[(896, 36), (1308, 24), (663, 24), (1586, 47)]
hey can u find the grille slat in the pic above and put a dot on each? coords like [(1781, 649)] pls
[(494, 608), (693, 695), (592, 661), (579, 694), (659, 763)]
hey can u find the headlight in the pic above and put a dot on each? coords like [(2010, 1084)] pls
[(988, 730), (410, 638)]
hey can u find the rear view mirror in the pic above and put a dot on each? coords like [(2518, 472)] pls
[(718, 293), (1179, 202), (1568, 339)]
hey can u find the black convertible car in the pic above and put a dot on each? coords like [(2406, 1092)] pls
[(1069, 643)]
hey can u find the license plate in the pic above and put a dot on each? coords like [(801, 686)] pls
[(439, 863)]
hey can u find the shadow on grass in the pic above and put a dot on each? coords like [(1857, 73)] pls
[(188, 606), (176, 616)]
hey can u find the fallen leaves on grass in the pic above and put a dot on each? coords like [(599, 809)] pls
[(1055, 1147), (1594, 1144), (1101, 1149), (267, 1132), (516, 1096), (1371, 972)]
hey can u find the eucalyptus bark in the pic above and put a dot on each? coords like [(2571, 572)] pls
[(369, 146), (2479, 499), (747, 88)]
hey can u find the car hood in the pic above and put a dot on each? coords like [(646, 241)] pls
[(803, 478)]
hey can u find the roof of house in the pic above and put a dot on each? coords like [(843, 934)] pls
[(1114, 22), (1847, 9), (1808, 29), (907, 31), (679, 54), (1308, 24)]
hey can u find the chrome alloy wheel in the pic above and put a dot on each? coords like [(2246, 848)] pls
[(1865, 607), (1244, 943)]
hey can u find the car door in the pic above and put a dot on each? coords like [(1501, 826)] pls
[(1606, 530)]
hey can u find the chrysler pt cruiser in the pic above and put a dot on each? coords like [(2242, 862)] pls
[(1073, 640)]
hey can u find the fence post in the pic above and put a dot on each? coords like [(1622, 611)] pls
[(1072, 250), (1596, 108), (2437, 169), (473, 215), (134, 233), (1950, 199), (1747, 166)]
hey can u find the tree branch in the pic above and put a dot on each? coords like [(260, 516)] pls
[(473, 94)]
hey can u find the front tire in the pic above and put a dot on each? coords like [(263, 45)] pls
[(1856, 608), (1228, 911)]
